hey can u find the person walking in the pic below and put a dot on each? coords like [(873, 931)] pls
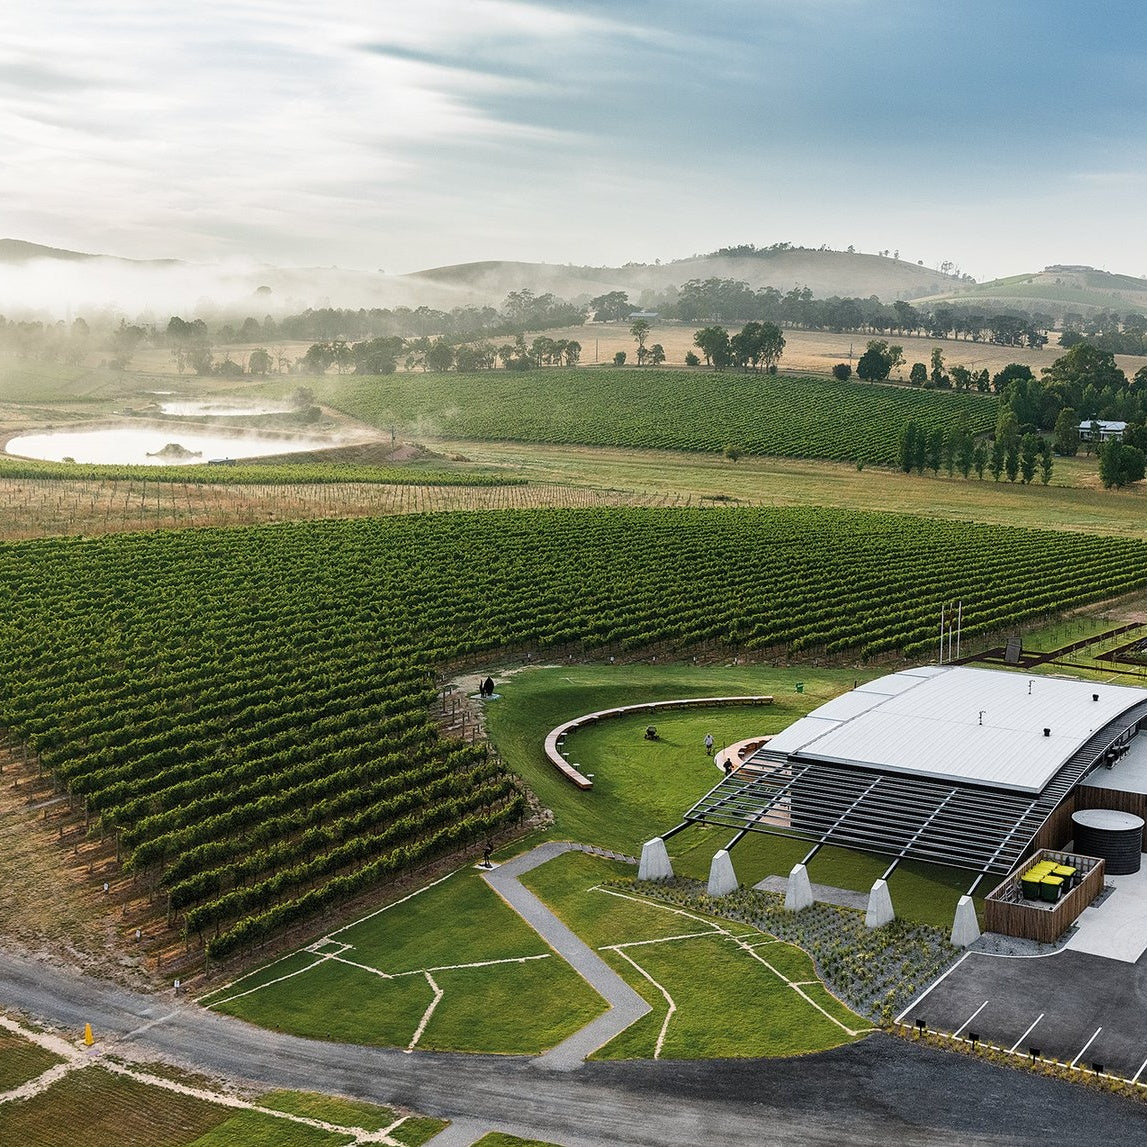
[(708, 744)]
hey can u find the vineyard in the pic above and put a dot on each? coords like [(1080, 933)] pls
[(246, 712), (664, 410)]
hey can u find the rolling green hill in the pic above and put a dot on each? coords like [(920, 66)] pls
[(665, 410), (1056, 290)]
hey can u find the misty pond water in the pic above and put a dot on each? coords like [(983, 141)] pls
[(220, 408), (139, 446)]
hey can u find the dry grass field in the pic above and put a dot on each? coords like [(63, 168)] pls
[(814, 352)]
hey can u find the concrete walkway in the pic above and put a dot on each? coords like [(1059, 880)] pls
[(821, 893), (460, 1133), (626, 1006), (1117, 927)]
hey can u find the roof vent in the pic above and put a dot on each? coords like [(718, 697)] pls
[(1095, 696), (1047, 732)]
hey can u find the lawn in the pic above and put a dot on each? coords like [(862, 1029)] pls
[(335, 1001), (413, 1130), (410, 935), (506, 1000), (732, 998), (642, 788), (503, 990)]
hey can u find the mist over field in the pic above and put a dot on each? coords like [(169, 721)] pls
[(62, 288)]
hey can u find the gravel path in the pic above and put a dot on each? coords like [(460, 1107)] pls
[(625, 1005)]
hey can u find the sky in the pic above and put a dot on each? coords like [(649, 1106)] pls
[(402, 134)]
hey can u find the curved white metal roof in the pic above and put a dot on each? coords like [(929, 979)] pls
[(952, 723)]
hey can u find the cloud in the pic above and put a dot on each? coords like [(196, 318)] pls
[(426, 131)]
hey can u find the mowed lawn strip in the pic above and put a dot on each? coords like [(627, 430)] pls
[(418, 1129), (460, 920), (330, 1109), (338, 1002), (413, 1130)]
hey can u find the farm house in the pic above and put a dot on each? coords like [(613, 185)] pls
[(976, 769), (1100, 430)]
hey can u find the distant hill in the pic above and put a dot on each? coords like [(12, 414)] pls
[(1058, 289), (16, 251), (825, 273), (51, 281), (19, 251)]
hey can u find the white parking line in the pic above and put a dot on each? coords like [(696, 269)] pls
[(1027, 1033), (969, 1019), (1140, 1071), (923, 995), (1085, 1047)]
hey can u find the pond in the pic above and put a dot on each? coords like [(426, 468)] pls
[(221, 408), (158, 446)]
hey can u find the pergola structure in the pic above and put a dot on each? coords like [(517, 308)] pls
[(943, 764)]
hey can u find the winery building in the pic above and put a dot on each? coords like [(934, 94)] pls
[(969, 768)]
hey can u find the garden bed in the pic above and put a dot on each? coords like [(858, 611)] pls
[(876, 971)]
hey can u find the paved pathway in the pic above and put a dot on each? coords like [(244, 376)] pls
[(625, 1005), (1116, 927), (821, 893)]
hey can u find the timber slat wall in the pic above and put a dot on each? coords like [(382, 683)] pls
[(1012, 918), (1088, 796)]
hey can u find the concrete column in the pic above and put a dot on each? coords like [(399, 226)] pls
[(880, 910), (722, 878), (799, 894), (654, 861), (965, 926)]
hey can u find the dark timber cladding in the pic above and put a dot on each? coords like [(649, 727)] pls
[(898, 814)]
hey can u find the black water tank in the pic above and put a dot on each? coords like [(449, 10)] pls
[(1116, 837)]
